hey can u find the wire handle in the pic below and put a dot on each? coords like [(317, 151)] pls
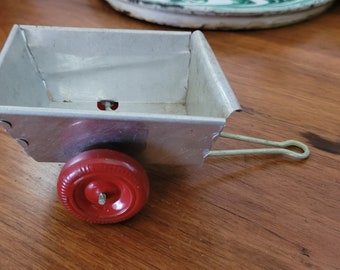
[(280, 147)]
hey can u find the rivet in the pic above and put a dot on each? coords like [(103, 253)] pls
[(24, 143), (5, 124), (101, 198)]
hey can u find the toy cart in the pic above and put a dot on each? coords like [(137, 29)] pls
[(101, 99)]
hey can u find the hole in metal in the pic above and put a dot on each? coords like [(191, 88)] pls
[(107, 105)]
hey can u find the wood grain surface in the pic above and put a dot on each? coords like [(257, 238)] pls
[(254, 212)]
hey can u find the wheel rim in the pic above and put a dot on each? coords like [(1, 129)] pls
[(103, 186)]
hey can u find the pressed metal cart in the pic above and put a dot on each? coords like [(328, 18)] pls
[(105, 101)]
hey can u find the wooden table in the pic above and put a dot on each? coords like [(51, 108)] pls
[(264, 212)]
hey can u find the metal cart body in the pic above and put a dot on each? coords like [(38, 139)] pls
[(171, 96), (94, 97)]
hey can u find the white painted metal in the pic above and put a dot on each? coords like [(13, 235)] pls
[(173, 96)]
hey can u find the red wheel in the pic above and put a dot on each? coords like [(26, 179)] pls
[(103, 186)]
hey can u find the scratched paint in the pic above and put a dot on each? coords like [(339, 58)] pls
[(222, 14), (227, 5)]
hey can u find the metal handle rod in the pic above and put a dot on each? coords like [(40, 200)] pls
[(280, 147)]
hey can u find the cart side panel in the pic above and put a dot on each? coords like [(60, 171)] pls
[(209, 92), (151, 141), (20, 79), (131, 66)]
